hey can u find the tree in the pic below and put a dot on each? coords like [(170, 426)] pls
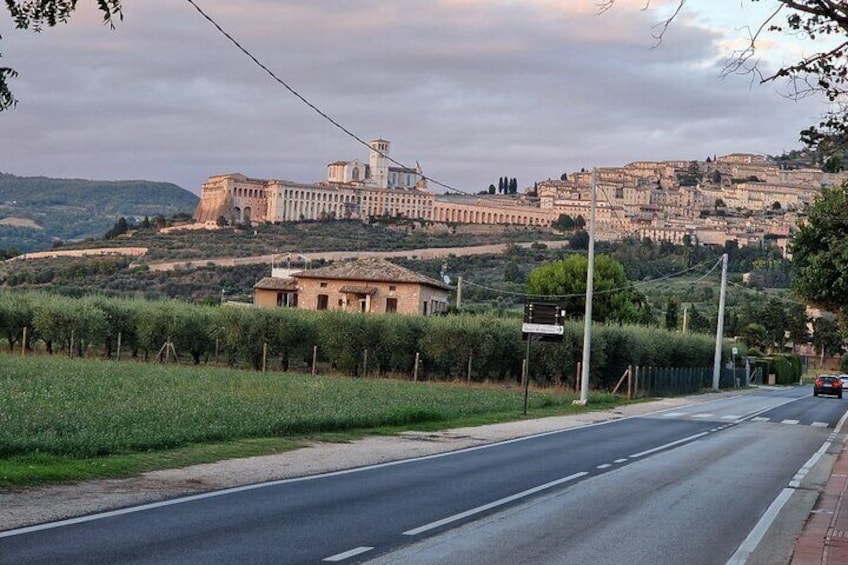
[(491, 189), (834, 165), (512, 272), (37, 14), (826, 337), (819, 253), (580, 222), (824, 23), (698, 322), (563, 223), (775, 322), (119, 228), (754, 336), (671, 310), (565, 280), (716, 177), (579, 240)]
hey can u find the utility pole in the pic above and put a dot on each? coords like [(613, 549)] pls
[(720, 328), (590, 287), (459, 293)]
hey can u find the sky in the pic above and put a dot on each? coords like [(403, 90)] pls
[(473, 90)]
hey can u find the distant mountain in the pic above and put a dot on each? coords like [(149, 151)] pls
[(36, 211)]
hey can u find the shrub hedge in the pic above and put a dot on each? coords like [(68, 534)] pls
[(454, 347)]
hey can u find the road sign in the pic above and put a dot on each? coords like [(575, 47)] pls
[(542, 329), (543, 321)]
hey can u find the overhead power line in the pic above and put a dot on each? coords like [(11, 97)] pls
[(606, 291), (303, 99)]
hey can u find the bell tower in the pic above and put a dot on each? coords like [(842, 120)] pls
[(379, 163)]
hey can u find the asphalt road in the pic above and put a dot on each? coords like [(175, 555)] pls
[(682, 486)]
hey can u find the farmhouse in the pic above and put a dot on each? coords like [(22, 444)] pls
[(363, 285)]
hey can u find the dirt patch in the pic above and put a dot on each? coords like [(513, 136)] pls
[(20, 223)]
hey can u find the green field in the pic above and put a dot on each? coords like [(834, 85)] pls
[(71, 419)]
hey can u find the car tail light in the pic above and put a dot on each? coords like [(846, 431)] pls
[(818, 382)]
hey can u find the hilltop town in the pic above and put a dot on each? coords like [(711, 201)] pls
[(744, 198)]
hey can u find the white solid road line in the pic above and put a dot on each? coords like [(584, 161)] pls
[(495, 504), (756, 536)]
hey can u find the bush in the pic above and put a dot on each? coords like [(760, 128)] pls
[(445, 343)]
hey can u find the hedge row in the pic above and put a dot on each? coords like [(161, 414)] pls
[(284, 339)]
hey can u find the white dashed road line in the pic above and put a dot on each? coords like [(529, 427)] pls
[(347, 554), (667, 445), (495, 504)]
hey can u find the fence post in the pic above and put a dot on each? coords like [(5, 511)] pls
[(118, 353), (469, 366), (264, 356), (71, 347), (636, 383), (630, 382), (365, 363), (415, 369), (23, 343), (314, 359)]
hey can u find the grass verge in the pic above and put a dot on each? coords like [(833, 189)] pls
[(68, 420)]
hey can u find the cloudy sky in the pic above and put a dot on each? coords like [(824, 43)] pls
[(471, 89)]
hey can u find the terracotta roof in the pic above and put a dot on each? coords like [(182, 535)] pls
[(273, 283), (370, 269), (358, 289)]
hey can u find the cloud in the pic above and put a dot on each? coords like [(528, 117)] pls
[(472, 90)]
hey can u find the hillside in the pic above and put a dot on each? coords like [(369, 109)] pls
[(36, 211)]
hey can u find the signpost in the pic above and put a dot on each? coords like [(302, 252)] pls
[(543, 321)]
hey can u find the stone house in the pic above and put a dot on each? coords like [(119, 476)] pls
[(364, 285)]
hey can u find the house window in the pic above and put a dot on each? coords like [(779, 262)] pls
[(323, 302), (341, 302), (287, 299), (323, 285), (392, 288), (391, 304)]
